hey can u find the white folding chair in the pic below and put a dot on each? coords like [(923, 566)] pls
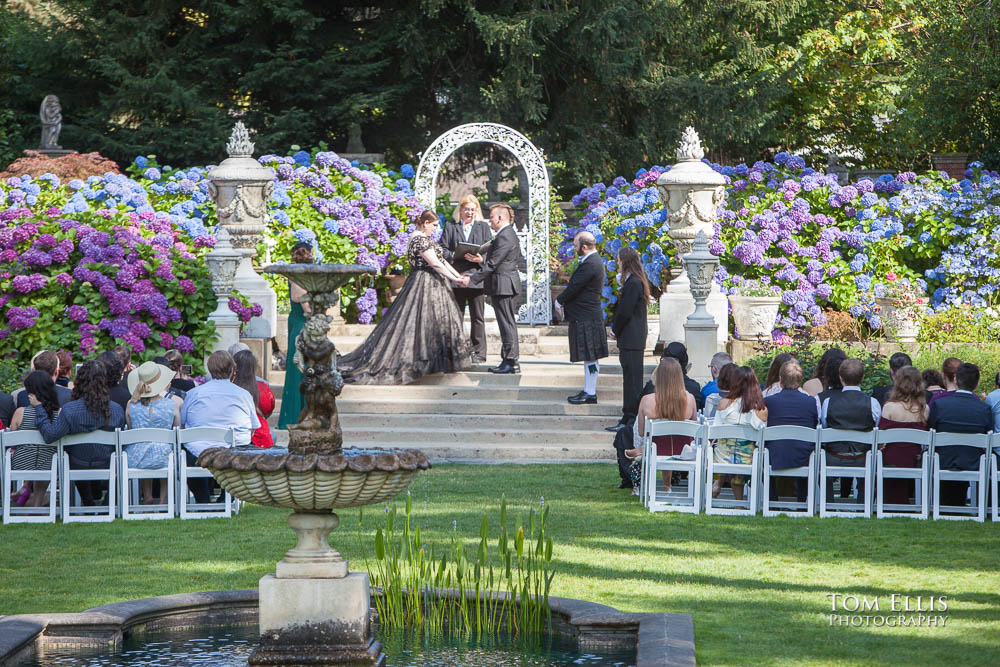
[(830, 507), (130, 476), (13, 479), (808, 471), (673, 501), (994, 452), (976, 477), (187, 507), (727, 505), (920, 475), (71, 512)]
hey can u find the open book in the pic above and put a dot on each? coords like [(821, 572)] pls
[(463, 249)]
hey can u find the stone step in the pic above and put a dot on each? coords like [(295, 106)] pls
[(452, 393), (490, 452), (378, 404), (364, 421), (415, 437)]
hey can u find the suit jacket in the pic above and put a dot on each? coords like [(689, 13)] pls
[(960, 413), (453, 235), (499, 271), (6, 408), (791, 407), (582, 296), (629, 321)]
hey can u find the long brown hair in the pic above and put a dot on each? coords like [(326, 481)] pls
[(744, 385), (671, 396), (630, 263), (774, 372), (908, 389)]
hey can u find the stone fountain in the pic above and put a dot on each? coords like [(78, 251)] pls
[(313, 611)]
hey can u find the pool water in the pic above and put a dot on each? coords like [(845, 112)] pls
[(229, 646)]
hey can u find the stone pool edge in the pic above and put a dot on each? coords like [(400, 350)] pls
[(661, 639)]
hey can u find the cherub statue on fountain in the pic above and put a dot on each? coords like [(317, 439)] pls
[(318, 430)]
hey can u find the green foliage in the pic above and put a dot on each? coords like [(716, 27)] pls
[(11, 375), (960, 325), (411, 579), (808, 354)]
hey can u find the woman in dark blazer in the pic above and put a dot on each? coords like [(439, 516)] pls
[(628, 327)]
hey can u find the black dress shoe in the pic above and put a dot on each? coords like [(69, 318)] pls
[(617, 427), (506, 367), (582, 400), (579, 394)]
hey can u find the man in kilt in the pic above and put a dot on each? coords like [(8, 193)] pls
[(581, 303)]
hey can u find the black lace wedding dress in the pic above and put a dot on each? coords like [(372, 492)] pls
[(421, 332)]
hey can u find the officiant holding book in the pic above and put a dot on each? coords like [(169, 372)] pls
[(469, 228)]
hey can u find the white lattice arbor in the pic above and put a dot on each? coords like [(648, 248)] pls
[(537, 308)]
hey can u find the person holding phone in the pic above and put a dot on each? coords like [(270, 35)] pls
[(182, 381)]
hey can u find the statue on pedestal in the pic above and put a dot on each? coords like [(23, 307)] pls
[(51, 116)]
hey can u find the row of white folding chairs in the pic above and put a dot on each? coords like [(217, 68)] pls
[(122, 479), (701, 469)]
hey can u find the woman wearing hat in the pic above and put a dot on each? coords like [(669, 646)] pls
[(150, 408)]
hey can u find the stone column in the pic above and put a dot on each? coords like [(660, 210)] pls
[(241, 188), (690, 192), (700, 328), (222, 263)]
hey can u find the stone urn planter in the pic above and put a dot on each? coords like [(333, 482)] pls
[(754, 316), (900, 324), (396, 283)]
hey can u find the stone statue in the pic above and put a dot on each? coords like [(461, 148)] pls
[(318, 430), (690, 148), (51, 116), (354, 143)]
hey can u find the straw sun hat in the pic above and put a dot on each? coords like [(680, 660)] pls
[(153, 375)]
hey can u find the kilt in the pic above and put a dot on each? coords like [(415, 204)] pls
[(588, 340)]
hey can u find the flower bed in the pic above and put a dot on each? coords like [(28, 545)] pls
[(817, 244)]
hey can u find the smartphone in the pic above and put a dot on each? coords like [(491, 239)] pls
[(185, 369), (77, 369)]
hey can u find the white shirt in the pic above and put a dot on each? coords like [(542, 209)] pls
[(876, 408), (221, 404), (467, 229)]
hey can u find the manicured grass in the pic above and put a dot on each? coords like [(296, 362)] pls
[(757, 588)]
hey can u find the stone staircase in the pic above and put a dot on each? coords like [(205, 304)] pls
[(477, 416)]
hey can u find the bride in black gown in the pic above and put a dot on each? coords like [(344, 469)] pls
[(421, 332)]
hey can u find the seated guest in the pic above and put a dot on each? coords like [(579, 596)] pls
[(263, 397), (221, 404), (772, 384), (851, 409), (818, 382), (896, 361), (120, 393), (744, 405), (180, 381), (933, 383), (791, 407), (7, 407), (678, 352), (949, 370), (669, 400), (831, 379), (35, 457), (993, 401), (719, 359), (47, 361), (906, 407), (90, 410), (960, 412), (149, 407), (725, 382), (65, 368)]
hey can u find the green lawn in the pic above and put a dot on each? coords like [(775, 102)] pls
[(757, 588)]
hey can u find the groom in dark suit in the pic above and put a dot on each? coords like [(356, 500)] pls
[(499, 272), (588, 338), (467, 229)]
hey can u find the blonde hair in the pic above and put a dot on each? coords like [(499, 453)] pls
[(467, 199)]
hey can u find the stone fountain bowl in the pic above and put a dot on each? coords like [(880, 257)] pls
[(312, 482), (319, 278)]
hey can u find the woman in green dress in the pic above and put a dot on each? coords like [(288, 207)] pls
[(291, 398)]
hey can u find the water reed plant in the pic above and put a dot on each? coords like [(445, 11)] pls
[(501, 590)]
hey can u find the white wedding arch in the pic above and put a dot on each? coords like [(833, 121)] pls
[(537, 308)]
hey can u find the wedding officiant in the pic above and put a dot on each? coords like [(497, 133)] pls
[(469, 227)]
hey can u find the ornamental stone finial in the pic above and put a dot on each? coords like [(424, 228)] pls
[(239, 142), (690, 148)]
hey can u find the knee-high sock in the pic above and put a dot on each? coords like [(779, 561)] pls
[(591, 369)]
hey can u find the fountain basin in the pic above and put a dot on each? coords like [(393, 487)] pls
[(313, 482)]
